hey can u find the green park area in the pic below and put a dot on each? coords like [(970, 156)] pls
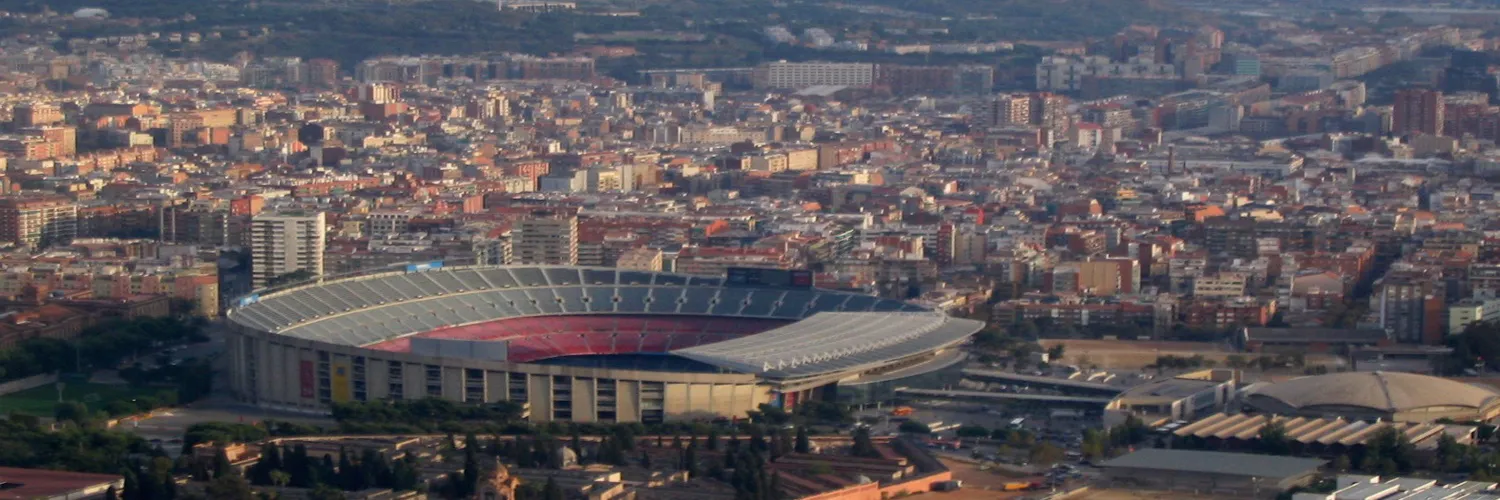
[(111, 398)]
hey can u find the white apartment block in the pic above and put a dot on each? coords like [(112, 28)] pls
[(796, 75), (281, 244), (1064, 74), (545, 239)]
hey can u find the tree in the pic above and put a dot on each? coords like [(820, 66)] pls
[(1273, 439), (1450, 455), (1392, 445), (297, 276), (230, 487), (280, 479), (1095, 445), (552, 491), (221, 466), (690, 461), (1055, 353), (72, 411), (973, 431), (471, 472), (914, 427), (1341, 463), (862, 445), (576, 443), (712, 441), (270, 461), (804, 443), (326, 492), (1045, 453)]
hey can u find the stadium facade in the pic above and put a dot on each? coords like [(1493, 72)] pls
[(552, 338)]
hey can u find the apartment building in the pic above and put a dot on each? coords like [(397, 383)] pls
[(285, 243), (796, 75), (545, 238), (38, 221)]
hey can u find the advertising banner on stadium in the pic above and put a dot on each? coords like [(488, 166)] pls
[(341, 386), (306, 378)]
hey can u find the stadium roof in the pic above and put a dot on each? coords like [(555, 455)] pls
[(1379, 390), (1215, 462), (834, 342)]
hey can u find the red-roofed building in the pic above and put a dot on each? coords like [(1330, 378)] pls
[(32, 484)]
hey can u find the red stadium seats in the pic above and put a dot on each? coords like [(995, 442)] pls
[(539, 337)]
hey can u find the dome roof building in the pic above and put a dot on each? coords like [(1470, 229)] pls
[(1390, 396)]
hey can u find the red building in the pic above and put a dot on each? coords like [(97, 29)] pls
[(1418, 111)]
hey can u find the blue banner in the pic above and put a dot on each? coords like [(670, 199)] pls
[(425, 266)]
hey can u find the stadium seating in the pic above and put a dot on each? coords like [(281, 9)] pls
[(543, 311)]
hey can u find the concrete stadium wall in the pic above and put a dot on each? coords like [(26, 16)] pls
[(296, 374)]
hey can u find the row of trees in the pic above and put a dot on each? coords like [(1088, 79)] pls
[(1103, 444), (103, 345), (291, 466)]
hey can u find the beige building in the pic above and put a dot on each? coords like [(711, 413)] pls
[(769, 162), (802, 159), (641, 259), (545, 239), (1006, 109), (1221, 285), (386, 222), (282, 244)]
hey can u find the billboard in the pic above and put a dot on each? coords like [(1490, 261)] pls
[(247, 300), (342, 389), (425, 266), (783, 278), (306, 378)]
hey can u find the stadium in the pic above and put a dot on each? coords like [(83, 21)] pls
[(582, 344)]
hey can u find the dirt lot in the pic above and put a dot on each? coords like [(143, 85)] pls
[(1137, 354), (978, 484)]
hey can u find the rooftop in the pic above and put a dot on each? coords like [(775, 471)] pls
[(40, 483), (834, 341), (1215, 462)]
